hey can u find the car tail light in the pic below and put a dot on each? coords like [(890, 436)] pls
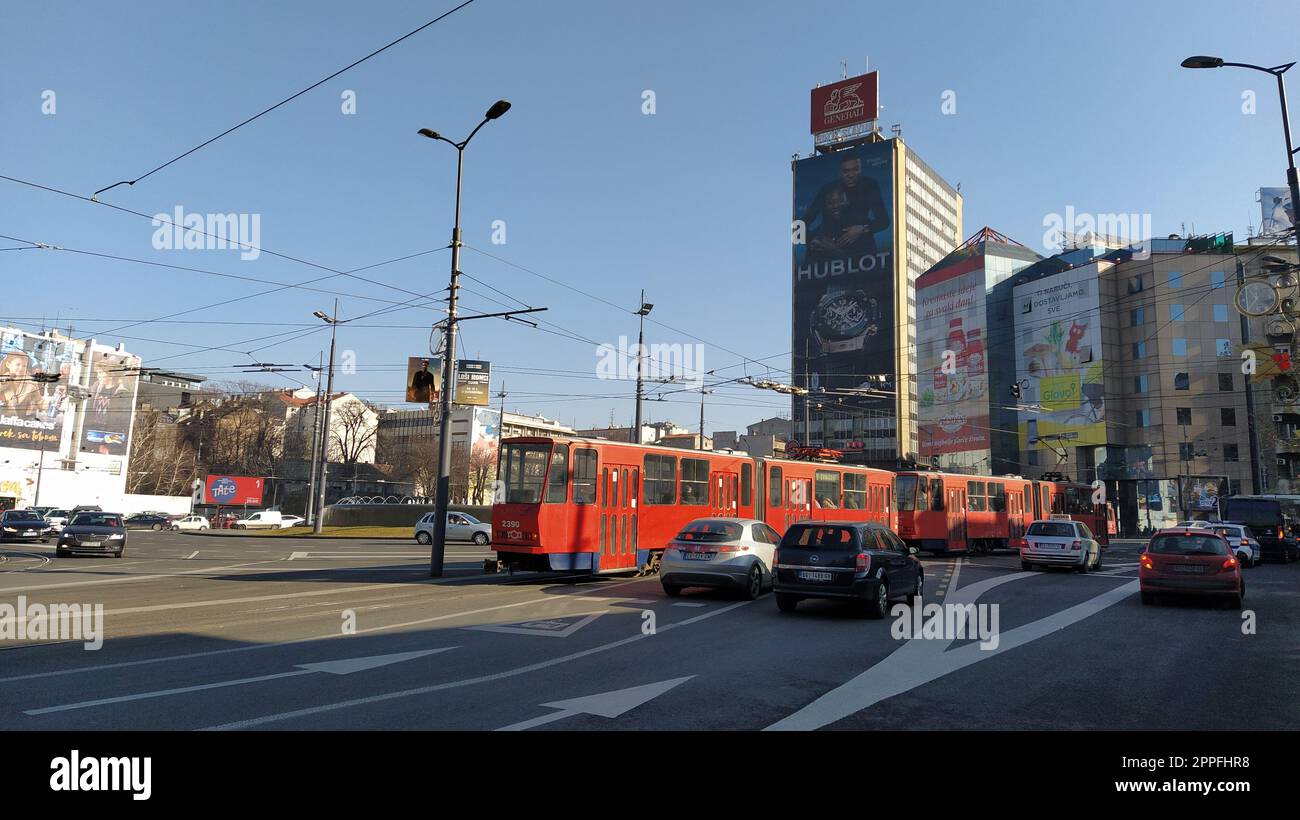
[(1076, 545), (1145, 561), (731, 548), (776, 557), (1229, 564), (862, 562), (1279, 532), (1245, 543)]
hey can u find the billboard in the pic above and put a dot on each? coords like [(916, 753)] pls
[(32, 412), (951, 346), (847, 102), (842, 277), (423, 375), (1277, 215), (111, 404), (1059, 362), (1201, 493), (233, 490), (473, 379)]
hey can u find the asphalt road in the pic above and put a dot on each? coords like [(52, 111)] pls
[(289, 633)]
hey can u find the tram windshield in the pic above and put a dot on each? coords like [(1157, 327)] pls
[(905, 492), (523, 470)]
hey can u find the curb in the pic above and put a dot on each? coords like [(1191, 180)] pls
[(255, 534)]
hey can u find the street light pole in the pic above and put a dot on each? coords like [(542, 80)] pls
[(333, 322), (438, 548), (642, 312), (315, 444)]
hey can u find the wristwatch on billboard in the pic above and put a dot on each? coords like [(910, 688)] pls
[(843, 320)]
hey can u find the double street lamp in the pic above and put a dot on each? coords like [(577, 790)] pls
[(333, 322), (642, 312)]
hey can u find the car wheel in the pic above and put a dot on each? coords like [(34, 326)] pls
[(157, 527), (423, 537), (1025, 566), (176, 528), (60, 552), (1243, 559), (1096, 565), (1082, 569), (786, 602), (879, 604), (119, 553), (754, 582), (481, 538), (1148, 599), (672, 590)]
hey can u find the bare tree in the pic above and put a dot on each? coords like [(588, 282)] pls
[(353, 430), (162, 462)]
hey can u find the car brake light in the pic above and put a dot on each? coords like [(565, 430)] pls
[(1245, 543), (1228, 564), (731, 548), (776, 557), (1076, 545), (1279, 532), (1145, 561), (862, 562)]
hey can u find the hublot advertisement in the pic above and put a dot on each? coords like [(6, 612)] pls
[(843, 276)]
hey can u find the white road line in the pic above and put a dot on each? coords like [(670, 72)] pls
[(191, 555), (424, 690), (688, 603), (128, 579)]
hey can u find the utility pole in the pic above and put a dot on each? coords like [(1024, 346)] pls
[(642, 312), (333, 322), (315, 444)]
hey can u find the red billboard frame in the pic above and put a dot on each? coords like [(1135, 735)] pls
[(847, 102), (233, 490)]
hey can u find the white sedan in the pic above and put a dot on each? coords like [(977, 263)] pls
[(291, 521), (1060, 542), (191, 522)]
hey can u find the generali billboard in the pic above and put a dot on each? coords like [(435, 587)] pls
[(848, 102), (233, 490)]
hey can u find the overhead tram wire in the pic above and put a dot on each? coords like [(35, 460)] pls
[(288, 99)]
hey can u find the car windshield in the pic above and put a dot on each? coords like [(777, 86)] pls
[(93, 519), (1188, 545), (1051, 529), (21, 515), (711, 531), (57, 514), (820, 537), (1235, 532)]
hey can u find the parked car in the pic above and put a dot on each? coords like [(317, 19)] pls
[(1243, 544), (264, 520), (732, 553), (147, 521), (223, 520), (460, 527), (1268, 521), (41, 511), (846, 560), (287, 521), (1058, 542), (58, 518), (23, 525), (97, 532), (1193, 523), (1190, 561), (191, 522)]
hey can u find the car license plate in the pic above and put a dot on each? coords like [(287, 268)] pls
[(1189, 569), (30, 532), (91, 543), (698, 556), (806, 575)]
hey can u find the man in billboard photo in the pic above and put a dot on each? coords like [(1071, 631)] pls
[(846, 215), (421, 385)]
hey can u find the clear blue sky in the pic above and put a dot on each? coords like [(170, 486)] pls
[(1058, 105)]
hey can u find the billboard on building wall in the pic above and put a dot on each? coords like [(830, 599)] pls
[(952, 358), (35, 373), (1277, 216), (233, 490), (1201, 493), (843, 275), (114, 379), (1059, 361)]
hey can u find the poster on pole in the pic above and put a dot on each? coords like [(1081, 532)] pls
[(472, 382), (423, 377)]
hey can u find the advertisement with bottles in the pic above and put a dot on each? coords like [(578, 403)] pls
[(1059, 362), (952, 372)]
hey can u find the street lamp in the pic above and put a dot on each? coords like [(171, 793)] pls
[(642, 312), (333, 322), (1202, 61), (438, 550)]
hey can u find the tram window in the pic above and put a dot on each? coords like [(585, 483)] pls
[(774, 487), (936, 494), (525, 470), (557, 479), (997, 497), (695, 481), (905, 488), (826, 489), (975, 495), (660, 480), (746, 484), (584, 476), (855, 491), (604, 487)]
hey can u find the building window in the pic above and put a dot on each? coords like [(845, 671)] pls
[(1135, 284), (1144, 418), (1033, 458), (1181, 381), (1228, 417), (1216, 279), (1136, 317), (1177, 313), (1220, 313), (1229, 452), (1225, 382), (1139, 384), (1180, 347), (1175, 279), (1184, 415), (1139, 350), (1223, 348), (1186, 450)]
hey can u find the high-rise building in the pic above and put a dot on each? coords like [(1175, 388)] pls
[(870, 217)]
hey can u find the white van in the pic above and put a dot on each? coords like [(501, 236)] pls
[(264, 520)]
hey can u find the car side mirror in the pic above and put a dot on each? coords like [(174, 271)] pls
[(912, 550)]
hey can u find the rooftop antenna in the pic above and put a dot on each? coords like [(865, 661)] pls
[(844, 69)]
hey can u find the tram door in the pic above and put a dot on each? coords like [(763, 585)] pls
[(798, 504), (955, 504), (620, 486), (723, 495)]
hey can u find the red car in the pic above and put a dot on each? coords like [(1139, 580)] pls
[(1189, 561)]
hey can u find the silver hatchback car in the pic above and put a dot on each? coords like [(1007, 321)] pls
[(460, 527), (1060, 542), (727, 553)]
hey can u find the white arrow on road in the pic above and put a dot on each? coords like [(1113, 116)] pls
[(340, 667), (606, 704)]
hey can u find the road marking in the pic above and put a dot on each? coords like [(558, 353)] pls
[(918, 662), (129, 578), (439, 687), (340, 667), (558, 627), (688, 603), (606, 705), (191, 555)]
